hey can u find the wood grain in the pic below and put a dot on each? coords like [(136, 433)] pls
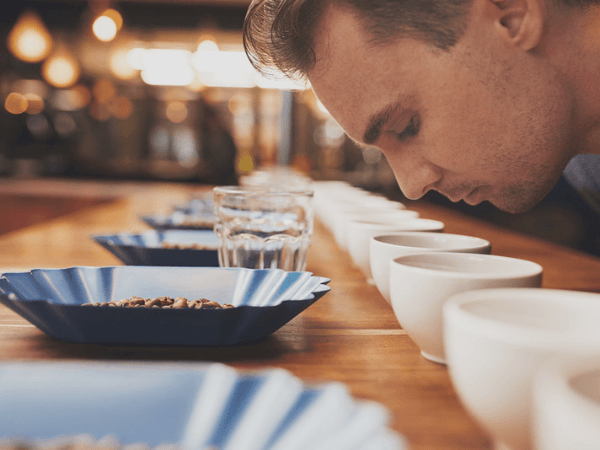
[(350, 335)]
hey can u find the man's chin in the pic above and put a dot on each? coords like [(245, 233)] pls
[(515, 205)]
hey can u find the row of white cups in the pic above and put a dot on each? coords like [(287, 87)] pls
[(524, 360)]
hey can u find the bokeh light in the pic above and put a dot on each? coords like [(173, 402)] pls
[(15, 103), (104, 28), (29, 39), (121, 107), (120, 67), (208, 44), (115, 16), (99, 111), (103, 91), (176, 111), (61, 69), (64, 124), (78, 97), (246, 163), (38, 125), (35, 103)]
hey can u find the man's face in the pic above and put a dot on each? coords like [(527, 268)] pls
[(485, 121)]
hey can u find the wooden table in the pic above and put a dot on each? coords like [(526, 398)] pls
[(350, 335)]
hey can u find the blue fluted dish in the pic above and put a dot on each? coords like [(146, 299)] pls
[(205, 206), (179, 220), (264, 300), (146, 249), (191, 406)]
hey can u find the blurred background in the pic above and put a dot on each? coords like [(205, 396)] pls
[(147, 89), (161, 90)]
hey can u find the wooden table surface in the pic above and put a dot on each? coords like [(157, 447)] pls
[(350, 335)]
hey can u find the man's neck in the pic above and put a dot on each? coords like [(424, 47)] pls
[(573, 46)]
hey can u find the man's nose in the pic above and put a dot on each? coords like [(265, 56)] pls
[(416, 179)]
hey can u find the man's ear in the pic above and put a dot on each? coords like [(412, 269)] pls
[(520, 22)]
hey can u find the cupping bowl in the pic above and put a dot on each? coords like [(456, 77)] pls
[(496, 340), (184, 406), (342, 220), (566, 404), (147, 249), (264, 301), (421, 283), (360, 232), (384, 249)]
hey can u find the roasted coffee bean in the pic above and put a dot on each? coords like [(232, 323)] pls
[(163, 302)]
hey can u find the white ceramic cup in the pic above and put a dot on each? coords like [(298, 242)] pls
[(496, 340), (341, 222), (421, 283), (360, 233), (335, 208), (566, 404), (383, 249)]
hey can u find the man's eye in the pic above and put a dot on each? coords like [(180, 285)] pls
[(412, 129)]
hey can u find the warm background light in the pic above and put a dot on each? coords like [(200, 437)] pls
[(120, 67), (78, 97), (208, 44), (115, 16), (15, 103), (121, 107), (246, 163), (29, 39), (167, 67), (135, 58), (35, 103), (105, 28), (61, 69), (176, 111), (99, 111), (103, 91)]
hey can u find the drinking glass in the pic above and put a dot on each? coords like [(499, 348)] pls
[(263, 228)]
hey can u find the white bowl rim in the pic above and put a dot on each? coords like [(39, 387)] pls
[(359, 215), (533, 268), (386, 226), (576, 341), (474, 240)]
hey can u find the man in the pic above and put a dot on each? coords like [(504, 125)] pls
[(476, 99)]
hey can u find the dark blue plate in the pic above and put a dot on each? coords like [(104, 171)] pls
[(183, 406), (264, 300), (180, 221), (146, 249), (203, 206)]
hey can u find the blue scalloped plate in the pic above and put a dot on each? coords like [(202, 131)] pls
[(179, 220), (204, 205), (264, 300), (186, 406), (147, 249)]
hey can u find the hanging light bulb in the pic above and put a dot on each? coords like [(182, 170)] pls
[(107, 25), (115, 16), (61, 69), (29, 40)]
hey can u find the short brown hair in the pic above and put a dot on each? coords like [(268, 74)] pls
[(278, 34)]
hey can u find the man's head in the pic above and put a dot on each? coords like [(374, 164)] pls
[(459, 94)]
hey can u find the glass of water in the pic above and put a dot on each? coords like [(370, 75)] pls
[(262, 227)]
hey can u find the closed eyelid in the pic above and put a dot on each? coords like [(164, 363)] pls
[(377, 122)]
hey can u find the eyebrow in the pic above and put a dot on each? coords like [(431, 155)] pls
[(377, 122)]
